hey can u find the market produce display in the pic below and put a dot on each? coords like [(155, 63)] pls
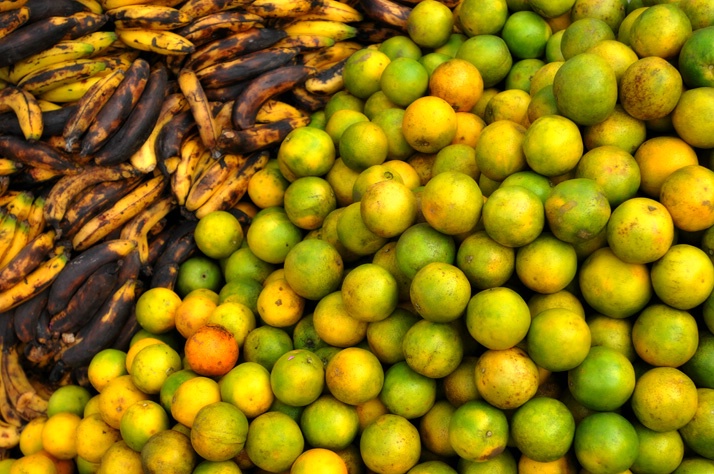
[(323, 236)]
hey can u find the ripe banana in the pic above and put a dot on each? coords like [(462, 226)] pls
[(25, 318), (181, 246), (387, 12), (234, 188), (80, 267), (26, 109), (333, 10), (117, 107), (26, 259), (273, 110), (40, 9), (328, 81), (19, 240), (305, 42), (117, 215), (148, 16), (138, 125), (332, 29), (7, 5), (59, 74), (170, 137), (259, 136), (186, 170), (138, 228), (156, 41), (35, 217), (8, 167), (39, 279), (60, 52), (8, 225), (35, 154), (210, 180), (20, 204), (245, 67), (323, 58), (282, 8), (86, 23), (53, 121), (218, 25), (11, 20), (111, 4), (192, 89), (144, 159), (71, 92), (92, 5), (89, 106), (199, 8), (100, 41), (262, 88), (243, 42), (32, 38), (226, 94)]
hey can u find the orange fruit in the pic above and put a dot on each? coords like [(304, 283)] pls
[(684, 277), (658, 157), (406, 392), (156, 309), (318, 461), (170, 385), (552, 47), (498, 318), (241, 290), (354, 375), (611, 12), (329, 423), (340, 121), (605, 442), (271, 235), (421, 244), (548, 134), (543, 429), (370, 411), (614, 169), (59, 435), (477, 18), (513, 216), (692, 117), (391, 120), (604, 380), (510, 104), (192, 313), (451, 202), (152, 365), (558, 339), (404, 80), (432, 60), (460, 384), (457, 157), (499, 151), (384, 337), (700, 13), (308, 200), (526, 34), (400, 46), (491, 56), (640, 230), (247, 386), (388, 208), (506, 378), (551, 9), (695, 56), (117, 396), (342, 179), (363, 71), (104, 366), (433, 349), (634, 10), (198, 272), (94, 438), (577, 210), (342, 100), (521, 74), (544, 76), (563, 299), (219, 431), (378, 101), (664, 336), (122, 457), (684, 194), (431, 24), (168, 450), (369, 292), (141, 421), (297, 377), (390, 444), (468, 424), (266, 187), (458, 82), (265, 344), (658, 450), (698, 367), (293, 160), (650, 88), (333, 323), (485, 262), (619, 55), (434, 430), (211, 351), (660, 31), (542, 103), (440, 292), (270, 452), (354, 234), (699, 432), (429, 124), (590, 104), (237, 318), (664, 399), (582, 34), (362, 145), (313, 268), (619, 129), (612, 332)]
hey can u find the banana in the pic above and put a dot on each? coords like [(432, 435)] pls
[(156, 41), (8, 414), (9, 436), (35, 217), (8, 167), (39, 279), (111, 4), (80, 267), (138, 125), (180, 246), (138, 228), (245, 67), (47, 106), (200, 107), (100, 41), (170, 137), (70, 93), (104, 326), (27, 259), (182, 178), (53, 121), (13, 19), (32, 175), (40, 9), (305, 42), (59, 74), (273, 110), (155, 17), (32, 38), (327, 81), (118, 214), (35, 154), (8, 225), (282, 8), (387, 12), (199, 8), (20, 205), (19, 239), (226, 94), (222, 116), (93, 201), (20, 391), (67, 189), (262, 88), (26, 315), (94, 291), (323, 58), (259, 136), (117, 107), (144, 159), (89, 106), (87, 23), (218, 25), (26, 109), (332, 29), (210, 180), (374, 33), (7, 5), (333, 10), (234, 188), (243, 42), (92, 5)]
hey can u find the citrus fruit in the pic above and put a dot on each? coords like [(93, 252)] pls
[(384, 337), (141, 421), (522, 73), (485, 262), (513, 216), (650, 88), (684, 277), (619, 129), (429, 124), (458, 82), (577, 210), (94, 438), (152, 365), (510, 104), (499, 151), (582, 34), (467, 427), (363, 71), (604, 380), (117, 396), (434, 428), (431, 24), (640, 230), (364, 378), (490, 54), (404, 80), (440, 292), (59, 435), (612, 332), (558, 339), (297, 377), (218, 234), (421, 244), (698, 367), (691, 117), (319, 461), (362, 145), (660, 31), (340, 121), (388, 208), (451, 202), (167, 451), (664, 399), (658, 451), (68, 398), (694, 58), (219, 431), (192, 395), (156, 309), (308, 200), (506, 378), (614, 169), (329, 423), (170, 385), (526, 34), (399, 46), (543, 429), (548, 134), (432, 349), (270, 452), (198, 272), (390, 444), (497, 318), (606, 442), (684, 193), (699, 432)]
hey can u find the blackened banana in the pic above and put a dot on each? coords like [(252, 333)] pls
[(245, 67), (27, 315), (32, 38), (37, 154)]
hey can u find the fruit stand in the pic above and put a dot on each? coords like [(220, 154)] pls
[(407, 236)]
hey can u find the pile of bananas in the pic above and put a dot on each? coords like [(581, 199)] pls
[(122, 122)]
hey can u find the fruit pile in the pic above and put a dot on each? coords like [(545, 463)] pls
[(424, 237)]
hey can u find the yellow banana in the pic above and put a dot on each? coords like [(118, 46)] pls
[(7, 5), (26, 259), (100, 40), (199, 8), (144, 159), (217, 25), (33, 37), (273, 110), (305, 42), (281, 8), (59, 53), (322, 58), (71, 92), (13, 19), (111, 4), (36, 216), (333, 10), (20, 205), (156, 17), (7, 231), (157, 41), (39, 279), (19, 239), (183, 176), (118, 214), (47, 106), (26, 108), (327, 81), (9, 167), (9, 434), (139, 227), (92, 5), (200, 107), (211, 179), (60, 74), (332, 29)]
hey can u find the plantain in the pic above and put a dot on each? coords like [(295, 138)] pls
[(246, 66), (259, 136), (177, 250), (200, 107), (27, 314), (11, 20), (86, 23), (52, 122), (26, 259), (243, 42), (26, 110), (35, 282), (59, 74), (35, 154), (41, 9), (218, 25), (139, 227)]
